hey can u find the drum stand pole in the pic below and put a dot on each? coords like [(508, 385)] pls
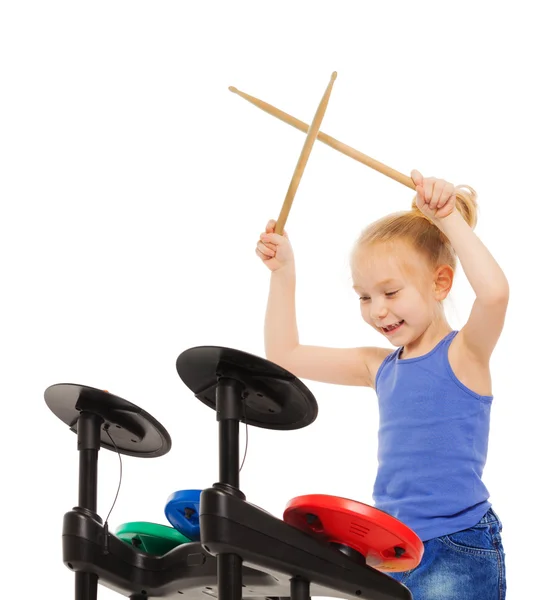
[(229, 410), (89, 435)]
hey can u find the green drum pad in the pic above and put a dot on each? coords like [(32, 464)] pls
[(151, 537)]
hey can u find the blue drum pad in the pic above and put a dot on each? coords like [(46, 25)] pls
[(182, 511)]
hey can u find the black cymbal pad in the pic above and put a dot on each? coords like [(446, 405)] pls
[(273, 398), (133, 430)]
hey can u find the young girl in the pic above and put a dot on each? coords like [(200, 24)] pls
[(434, 390)]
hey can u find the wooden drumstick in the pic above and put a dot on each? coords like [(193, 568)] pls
[(304, 156), (312, 132), (330, 141)]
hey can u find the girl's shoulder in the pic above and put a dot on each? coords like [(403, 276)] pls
[(467, 369), (375, 358)]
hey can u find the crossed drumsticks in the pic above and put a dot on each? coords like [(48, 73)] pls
[(313, 132)]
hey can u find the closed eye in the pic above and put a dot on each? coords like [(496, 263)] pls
[(388, 294)]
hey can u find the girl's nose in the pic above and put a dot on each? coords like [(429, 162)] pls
[(379, 311)]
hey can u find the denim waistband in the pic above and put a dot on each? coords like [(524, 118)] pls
[(490, 517)]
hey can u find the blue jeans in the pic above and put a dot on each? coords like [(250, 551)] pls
[(467, 565)]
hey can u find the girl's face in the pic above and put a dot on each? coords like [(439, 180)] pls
[(397, 291)]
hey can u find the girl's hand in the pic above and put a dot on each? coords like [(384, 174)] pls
[(435, 198), (274, 250)]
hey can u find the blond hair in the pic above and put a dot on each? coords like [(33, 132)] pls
[(413, 227)]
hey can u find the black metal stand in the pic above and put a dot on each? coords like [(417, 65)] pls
[(241, 387), (240, 543), (229, 412), (229, 409), (300, 589), (89, 435)]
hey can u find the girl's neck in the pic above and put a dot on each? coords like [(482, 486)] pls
[(437, 331)]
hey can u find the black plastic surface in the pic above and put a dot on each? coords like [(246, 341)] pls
[(273, 397), (187, 569), (134, 431), (191, 571)]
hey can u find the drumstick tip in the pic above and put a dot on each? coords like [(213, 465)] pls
[(232, 89), (334, 75)]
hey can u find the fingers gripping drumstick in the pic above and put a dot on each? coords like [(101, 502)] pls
[(312, 132), (329, 140)]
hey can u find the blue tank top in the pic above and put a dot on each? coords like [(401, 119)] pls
[(433, 442)]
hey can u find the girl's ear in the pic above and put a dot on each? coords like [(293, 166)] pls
[(442, 283)]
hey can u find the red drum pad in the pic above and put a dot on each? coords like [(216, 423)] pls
[(365, 534)]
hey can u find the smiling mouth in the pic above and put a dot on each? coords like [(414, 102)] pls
[(392, 328)]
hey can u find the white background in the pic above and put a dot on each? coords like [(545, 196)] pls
[(133, 188)]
